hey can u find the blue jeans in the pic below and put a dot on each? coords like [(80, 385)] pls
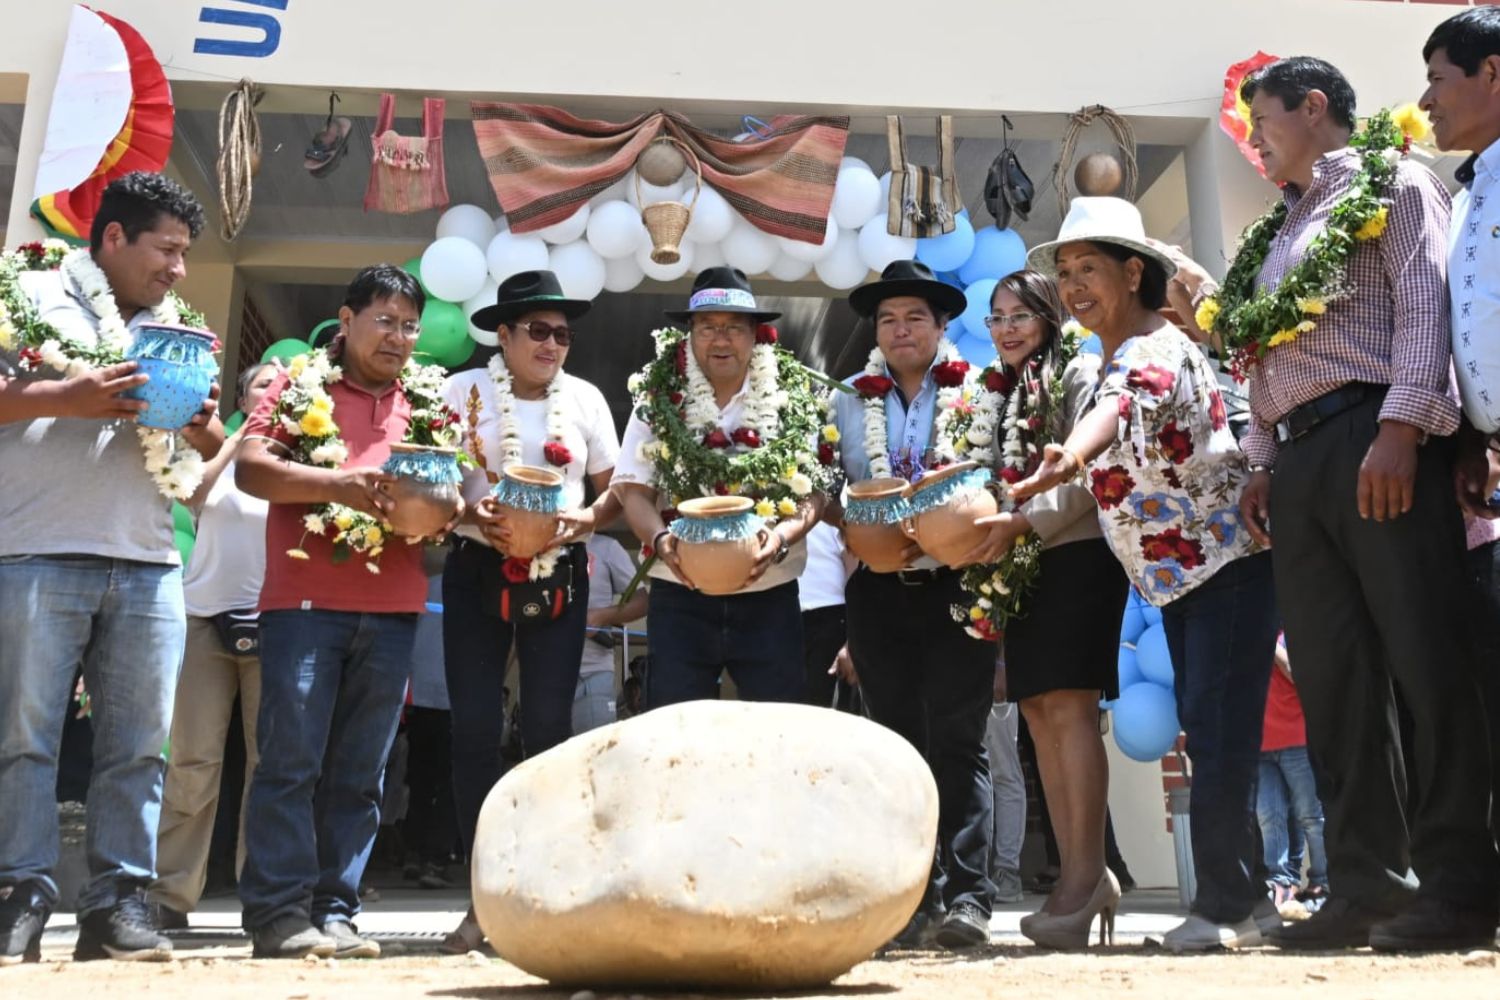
[(1222, 636), (695, 637), (331, 689), (1287, 800), (123, 622)]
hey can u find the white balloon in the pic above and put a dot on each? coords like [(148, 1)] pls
[(510, 254), (568, 229), (856, 197), (712, 217), (615, 230), (650, 194), (810, 252), (855, 162), (615, 192), (845, 267), (485, 297), (469, 222), (748, 248), (665, 272), (885, 189), (707, 255), (788, 268), (878, 248), (579, 269), (622, 274), (453, 269), (502, 224)]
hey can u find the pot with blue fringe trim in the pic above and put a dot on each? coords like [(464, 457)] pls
[(872, 523), (717, 538), (532, 498), (425, 490), (944, 505)]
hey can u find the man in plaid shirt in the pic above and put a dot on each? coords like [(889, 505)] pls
[(1351, 454)]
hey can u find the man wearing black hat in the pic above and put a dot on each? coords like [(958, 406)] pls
[(921, 674), (732, 393)]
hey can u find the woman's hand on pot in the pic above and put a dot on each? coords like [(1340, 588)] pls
[(493, 522), (1058, 465), (1004, 529), (575, 525)]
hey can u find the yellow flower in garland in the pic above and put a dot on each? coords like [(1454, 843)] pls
[(316, 423), (1312, 307), (1206, 313), (373, 536), (785, 507), (831, 434), (7, 335), (1413, 122), (1306, 326), (765, 508), (1375, 227), (298, 554), (1282, 337), (343, 520)]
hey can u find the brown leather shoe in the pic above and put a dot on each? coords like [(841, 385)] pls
[(1435, 925), (1339, 924)]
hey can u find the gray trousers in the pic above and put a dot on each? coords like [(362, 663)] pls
[(1009, 785)]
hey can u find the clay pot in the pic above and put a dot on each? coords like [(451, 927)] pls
[(1099, 174), (721, 565), (532, 499), (872, 523), (182, 370), (944, 505), (425, 491)]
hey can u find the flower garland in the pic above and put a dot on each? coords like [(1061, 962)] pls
[(304, 410), (1253, 322), (782, 452), (175, 466), (949, 371), (1030, 420), (554, 451)]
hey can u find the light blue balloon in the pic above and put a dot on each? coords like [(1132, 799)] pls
[(1133, 624), (1129, 670), (949, 251), (955, 330), (1145, 722), (997, 252), (977, 351), (1153, 657), (978, 296), (1150, 612), (1091, 345)]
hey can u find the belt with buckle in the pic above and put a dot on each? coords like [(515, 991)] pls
[(1306, 417), (920, 577)]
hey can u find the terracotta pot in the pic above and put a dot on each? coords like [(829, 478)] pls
[(532, 498), (716, 542), (182, 370), (945, 504), (425, 491), (872, 523)]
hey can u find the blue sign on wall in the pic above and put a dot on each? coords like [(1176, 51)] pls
[(266, 26)]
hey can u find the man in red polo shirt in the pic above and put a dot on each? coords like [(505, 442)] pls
[(336, 642)]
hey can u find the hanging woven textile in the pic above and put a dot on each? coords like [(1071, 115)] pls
[(924, 200), (406, 172)]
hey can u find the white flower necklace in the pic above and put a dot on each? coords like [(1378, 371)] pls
[(175, 466), (510, 427), (877, 448), (764, 399)]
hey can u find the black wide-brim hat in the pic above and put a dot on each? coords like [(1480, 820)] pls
[(722, 289), (908, 277), (527, 291)]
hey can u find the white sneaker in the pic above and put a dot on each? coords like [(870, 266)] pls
[(1201, 934)]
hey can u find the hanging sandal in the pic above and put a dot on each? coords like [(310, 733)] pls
[(328, 146)]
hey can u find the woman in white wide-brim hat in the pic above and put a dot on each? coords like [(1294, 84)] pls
[(1155, 447)]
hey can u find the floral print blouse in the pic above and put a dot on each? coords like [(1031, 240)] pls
[(1169, 486)]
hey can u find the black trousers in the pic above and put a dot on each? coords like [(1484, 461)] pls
[(925, 678), (431, 826), (1484, 562), (824, 631), (1370, 604)]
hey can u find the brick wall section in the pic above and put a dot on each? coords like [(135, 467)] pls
[(1176, 772)]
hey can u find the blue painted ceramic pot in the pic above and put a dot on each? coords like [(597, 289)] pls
[(180, 364)]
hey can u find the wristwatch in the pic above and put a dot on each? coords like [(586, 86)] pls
[(1259, 468), (781, 549)]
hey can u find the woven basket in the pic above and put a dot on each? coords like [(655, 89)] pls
[(667, 221)]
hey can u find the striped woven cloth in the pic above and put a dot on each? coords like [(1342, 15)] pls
[(543, 163)]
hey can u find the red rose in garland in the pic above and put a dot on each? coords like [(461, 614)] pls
[(1154, 379), (999, 380), (766, 334), (1111, 486), (1169, 544), (716, 439), (516, 570), (682, 359), (676, 398), (1011, 475), (557, 453), (1175, 443), (870, 386), (826, 454), (950, 373), (747, 437), (1218, 417)]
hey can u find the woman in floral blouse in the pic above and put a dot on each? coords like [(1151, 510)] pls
[(1167, 474)]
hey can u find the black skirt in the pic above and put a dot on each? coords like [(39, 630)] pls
[(1069, 635)]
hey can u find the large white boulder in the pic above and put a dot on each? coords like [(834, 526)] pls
[(710, 844)]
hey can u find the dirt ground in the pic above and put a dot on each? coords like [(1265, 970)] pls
[(1009, 972)]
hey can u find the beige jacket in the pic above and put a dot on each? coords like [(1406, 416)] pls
[(1067, 513)]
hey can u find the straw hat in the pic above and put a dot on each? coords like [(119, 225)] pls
[(1099, 220)]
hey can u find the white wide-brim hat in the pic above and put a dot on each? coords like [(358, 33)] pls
[(1098, 220)]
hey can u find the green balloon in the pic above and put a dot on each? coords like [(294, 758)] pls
[(445, 333), (184, 546), (233, 423), (182, 520), (317, 331), (413, 267), (287, 349)]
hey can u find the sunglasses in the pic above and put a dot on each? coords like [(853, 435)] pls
[(539, 332)]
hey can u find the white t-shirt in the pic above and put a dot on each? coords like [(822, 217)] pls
[(822, 582), (610, 572), (634, 467), (589, 437), (229, 556)]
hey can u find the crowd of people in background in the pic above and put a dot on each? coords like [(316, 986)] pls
[(1324, 569)]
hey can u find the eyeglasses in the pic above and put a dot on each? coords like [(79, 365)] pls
[(1013, 320), (704, 331), (539, 332), (387, 325)]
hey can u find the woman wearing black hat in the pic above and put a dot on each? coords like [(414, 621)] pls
[(522, 409)]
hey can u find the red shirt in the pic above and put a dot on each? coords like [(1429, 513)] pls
[(368, 425), (1284, 726)]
